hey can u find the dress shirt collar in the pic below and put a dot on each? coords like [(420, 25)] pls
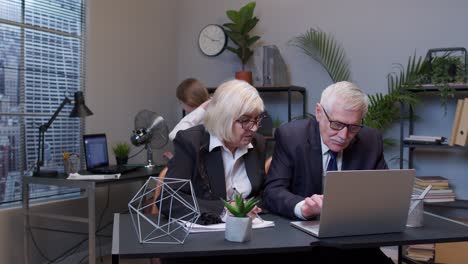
[(216, 142)]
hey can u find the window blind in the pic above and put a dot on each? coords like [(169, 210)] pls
[(41, 62)]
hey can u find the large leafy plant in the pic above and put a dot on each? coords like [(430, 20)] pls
[(383, 108), (243, 21), (240, 207), (323, 48)]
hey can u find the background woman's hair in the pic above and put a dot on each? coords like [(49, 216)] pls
[(192, 92)]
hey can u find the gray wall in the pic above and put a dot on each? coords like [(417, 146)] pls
[(375, 36), (138, 51)]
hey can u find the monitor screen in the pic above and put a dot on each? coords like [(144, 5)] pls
[(95, 147)]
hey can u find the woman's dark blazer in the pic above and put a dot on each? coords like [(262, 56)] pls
[(193, 161)]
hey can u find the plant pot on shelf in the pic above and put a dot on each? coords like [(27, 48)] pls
[(244, 76), (121, 160), (238, 229)]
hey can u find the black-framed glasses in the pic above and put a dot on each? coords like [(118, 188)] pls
[(337, 125), (249, 123)]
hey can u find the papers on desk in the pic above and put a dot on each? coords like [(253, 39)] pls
[(77, 176), (256, 223)]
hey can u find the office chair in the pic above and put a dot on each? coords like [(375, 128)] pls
[(267, 164), (154, 208)]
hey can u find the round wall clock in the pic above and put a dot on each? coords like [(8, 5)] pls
[(212, 40)]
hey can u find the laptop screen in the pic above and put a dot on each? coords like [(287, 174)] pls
[(95, 147)]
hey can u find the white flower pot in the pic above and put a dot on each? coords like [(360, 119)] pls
[(238, 229)]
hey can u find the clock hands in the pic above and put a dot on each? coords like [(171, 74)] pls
[(210, 38)]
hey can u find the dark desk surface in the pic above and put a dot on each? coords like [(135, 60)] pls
[(281, 238), (435, 230), (138, 174)]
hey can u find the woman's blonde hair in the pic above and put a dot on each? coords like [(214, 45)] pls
[(192, 92), (230, 101), (352, 97)]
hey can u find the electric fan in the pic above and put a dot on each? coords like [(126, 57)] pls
[(150, 130)]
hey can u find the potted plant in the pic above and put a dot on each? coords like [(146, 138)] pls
[(276, 124), (121, 151), (243, 21), (238, 223)]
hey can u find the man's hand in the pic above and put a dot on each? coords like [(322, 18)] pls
[(312, 206)]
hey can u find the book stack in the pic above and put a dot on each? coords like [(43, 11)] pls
[(459, 134), (417, 139), (423, 252), (440, 191)]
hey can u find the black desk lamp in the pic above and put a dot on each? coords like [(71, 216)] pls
[(79, 110)]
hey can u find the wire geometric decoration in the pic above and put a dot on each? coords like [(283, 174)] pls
[(158, 228)]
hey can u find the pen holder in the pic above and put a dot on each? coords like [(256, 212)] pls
[(71, 164), (416, 213)]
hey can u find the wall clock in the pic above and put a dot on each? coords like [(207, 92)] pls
[(212, 40)]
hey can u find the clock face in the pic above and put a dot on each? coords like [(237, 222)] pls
[(212, 40)]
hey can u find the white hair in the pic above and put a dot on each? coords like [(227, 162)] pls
[(352, 97), (231, 100)]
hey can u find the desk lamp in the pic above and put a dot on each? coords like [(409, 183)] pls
[(79, 110)]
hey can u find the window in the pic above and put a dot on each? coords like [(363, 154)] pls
[(41, 62)]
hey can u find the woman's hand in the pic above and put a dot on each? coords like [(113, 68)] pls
[(254, 212)]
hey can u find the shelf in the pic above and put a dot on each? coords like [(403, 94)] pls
[(459, 87), (281, 88), (434, 146)]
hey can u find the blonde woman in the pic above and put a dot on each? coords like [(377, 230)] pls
[(225, 155)]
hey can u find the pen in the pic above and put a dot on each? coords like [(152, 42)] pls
[(236, 192)]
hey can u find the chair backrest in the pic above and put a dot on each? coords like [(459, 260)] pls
[(157, 191), (267, 164)]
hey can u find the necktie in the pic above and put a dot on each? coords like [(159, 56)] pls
[(332, 165)]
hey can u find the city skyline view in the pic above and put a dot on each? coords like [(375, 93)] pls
[(40, 65)]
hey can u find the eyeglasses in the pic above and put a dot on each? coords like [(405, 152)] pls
[(248, 123), (337, 125)]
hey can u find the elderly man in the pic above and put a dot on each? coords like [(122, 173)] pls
[(305, 149)]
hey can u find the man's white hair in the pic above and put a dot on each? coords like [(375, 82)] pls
[(347, 93)]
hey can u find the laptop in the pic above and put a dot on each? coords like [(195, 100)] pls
[(362, 202), (97, 158)]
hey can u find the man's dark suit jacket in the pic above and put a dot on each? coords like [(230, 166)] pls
[(193, 161), (296, 169)]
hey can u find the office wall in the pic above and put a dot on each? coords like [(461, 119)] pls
[(376, 35), (130, 66), (138, 51)]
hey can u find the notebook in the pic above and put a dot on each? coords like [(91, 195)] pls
[(97, 158), (362, 202)]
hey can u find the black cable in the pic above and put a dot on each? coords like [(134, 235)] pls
[(143, 148), (106, 206), (37, 246)]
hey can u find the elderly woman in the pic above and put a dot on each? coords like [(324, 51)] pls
[(225, 155)]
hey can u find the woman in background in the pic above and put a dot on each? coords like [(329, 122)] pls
[(194, 98)]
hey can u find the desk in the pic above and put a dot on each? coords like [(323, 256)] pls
[(281, 238), (278, 239), (90, 188)]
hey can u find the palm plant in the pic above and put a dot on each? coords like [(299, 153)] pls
[(384, 109), (323, 48)]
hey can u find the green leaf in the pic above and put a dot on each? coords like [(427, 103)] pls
[(240, 208), (233, 15), (324, 49)]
